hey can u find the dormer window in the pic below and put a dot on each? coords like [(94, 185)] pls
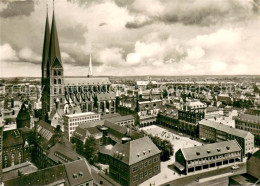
[(218, 149), (208, 151), (197, 153)]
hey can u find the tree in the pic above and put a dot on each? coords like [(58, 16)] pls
[(91, 150)]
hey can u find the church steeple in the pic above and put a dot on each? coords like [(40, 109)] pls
[(54, 52), (90, 73), (45, 51)]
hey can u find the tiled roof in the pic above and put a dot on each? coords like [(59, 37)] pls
[(12, 138), (78, 172), (120, 118), (74, 81), (213, 149), (248, 118), (133, 151), (211, 109), (91, 124), (224, 128), (115, 127), (41, 177), (73, 173), (59, 153)]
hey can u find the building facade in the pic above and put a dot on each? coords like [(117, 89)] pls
[(215, 132), (189, 121), (250, 123), (197, 158), (133, 162), (72, 121)]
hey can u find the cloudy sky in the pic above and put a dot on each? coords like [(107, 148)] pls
[(134, 37)]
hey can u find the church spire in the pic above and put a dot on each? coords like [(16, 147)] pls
[(46, 45), (90, 73), (54, 52)]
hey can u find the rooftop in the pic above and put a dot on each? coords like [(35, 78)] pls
[(213, 149), (224, 128), (81, 114), (133, 151)]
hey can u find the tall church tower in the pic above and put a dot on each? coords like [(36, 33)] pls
[(45, 71), (52, 70), (55, 68)]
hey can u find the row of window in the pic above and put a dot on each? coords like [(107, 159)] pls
[(203, 160), (149, 162), (145, 174)]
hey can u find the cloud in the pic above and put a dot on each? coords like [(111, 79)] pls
[(27, 54), (67, 58), (111, 56), (16, 8), (7, 53), (194, 12)]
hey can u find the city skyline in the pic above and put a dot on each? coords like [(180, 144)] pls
[(134, 37)]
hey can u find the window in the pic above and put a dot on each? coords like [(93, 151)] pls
[(59, 81), (145, 164), (141, 165), (150, 171), (145, 173), (55, 73), (150, 162), (135, 178), (141, 175), (155, 159), (55, 81), (135, 168), (156, 168), (59, 73)]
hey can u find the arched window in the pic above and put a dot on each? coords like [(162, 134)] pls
[(60, 100), (60, 92), (59, 80), (55, 90), (59, 73), (55, 73), (55, 81)]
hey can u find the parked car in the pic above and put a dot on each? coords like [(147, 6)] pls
[(234, 167)]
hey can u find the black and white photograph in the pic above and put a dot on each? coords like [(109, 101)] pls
[(129, 92)]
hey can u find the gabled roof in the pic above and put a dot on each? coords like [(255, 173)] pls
[(79, 168), (115, 127), (192, 153), (248, 118), (133, 151), (12, 138), (59, 153), (73, 173), (120, 118), (54, 49), (225, 128), (78, 81)]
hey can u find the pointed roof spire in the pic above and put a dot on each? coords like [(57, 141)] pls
[(54, 52), (46, 45), (90, 72)]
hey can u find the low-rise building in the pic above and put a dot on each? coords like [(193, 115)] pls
[(73, 173), (133, 162), (249, 123), (72, 121), (214, 132), (197, 158), (125, 121)]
